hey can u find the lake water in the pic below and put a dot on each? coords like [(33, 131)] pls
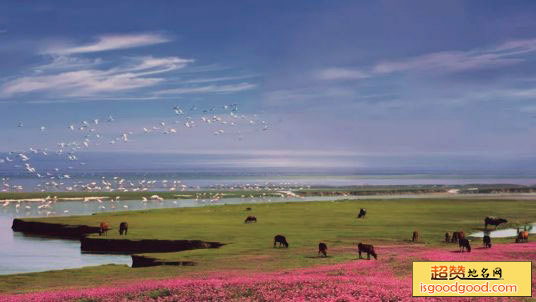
[(503, 233)]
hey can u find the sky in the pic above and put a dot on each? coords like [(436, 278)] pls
[(330, 78)]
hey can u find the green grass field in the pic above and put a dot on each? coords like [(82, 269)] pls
[(249, 246)]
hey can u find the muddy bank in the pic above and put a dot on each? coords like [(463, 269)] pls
[(126, 246), (143, 261), (52, 229)]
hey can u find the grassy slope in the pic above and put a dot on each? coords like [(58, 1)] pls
[(250, 246)]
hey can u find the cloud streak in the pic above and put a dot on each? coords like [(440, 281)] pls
[(109, 42), (341, 74), (209, 89), (70, 73), (508, 53), (87, 82)]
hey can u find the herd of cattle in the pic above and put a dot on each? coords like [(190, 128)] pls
[(454, 237)]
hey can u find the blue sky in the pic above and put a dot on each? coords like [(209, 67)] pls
[(328, 77)]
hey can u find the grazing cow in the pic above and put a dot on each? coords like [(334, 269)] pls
[(248, 209), (366, 248), (123, 228), (447, 237), (456, 236), (464, 245), (250, 219), (522, 236), (323, 249), (103, 228), (362, 213), (493, 221), (487, 241), (415, 236), (281, 240)]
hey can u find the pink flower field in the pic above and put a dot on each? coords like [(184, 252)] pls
[(385, 280)]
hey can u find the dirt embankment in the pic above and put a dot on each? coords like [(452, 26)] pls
[(126, 246), (114, 246), (144, 261), (52, 229)]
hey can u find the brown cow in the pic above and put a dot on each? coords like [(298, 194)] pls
[(415, 236), (103, 228), (323, 249), (522, 236), (456, 236), (366, 248)]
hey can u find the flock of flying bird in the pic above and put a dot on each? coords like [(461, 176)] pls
[(86, 134), (89, 133)]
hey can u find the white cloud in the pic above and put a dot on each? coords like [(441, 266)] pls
[(209, 89), (87, 82), (69, 73), (109, 42), (67, 62), (341, 74), (508, 53), (446, 62), (217, 79)]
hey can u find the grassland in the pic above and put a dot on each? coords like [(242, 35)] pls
[(249, 246)]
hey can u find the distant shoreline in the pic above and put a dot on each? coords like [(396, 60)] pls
[(395, 191)]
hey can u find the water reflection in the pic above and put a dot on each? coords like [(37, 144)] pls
[(503, 233)]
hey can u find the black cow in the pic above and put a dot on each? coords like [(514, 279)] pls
[(323, 249), (362, 213), (281, 240), (487, 241), (447, 237), (250, 219), (123, 228), (366, 248), (415, 236), (493, 221), (464, 245)]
